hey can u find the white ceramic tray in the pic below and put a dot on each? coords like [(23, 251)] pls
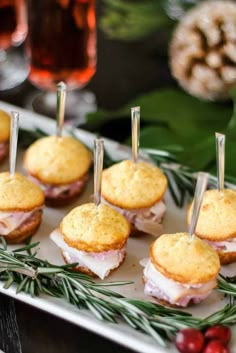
[(130, 270)]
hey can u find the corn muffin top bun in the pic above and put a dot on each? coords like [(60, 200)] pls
[(18, 193), (184, 260), (4, 126), (57, 160), (94, 228), (217, 216), (132, 185)]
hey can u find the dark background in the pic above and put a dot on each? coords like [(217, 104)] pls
[(124, 70)]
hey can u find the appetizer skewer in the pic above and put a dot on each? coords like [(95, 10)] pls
[(182, 268), (216, 224), (93, 235), (21, 201), (136, 189), (58, 164)]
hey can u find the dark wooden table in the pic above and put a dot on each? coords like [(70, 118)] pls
[(124, 70)]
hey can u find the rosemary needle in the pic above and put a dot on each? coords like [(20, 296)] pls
[(34, 276)]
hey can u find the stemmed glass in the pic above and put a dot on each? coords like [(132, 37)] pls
[(61, 46), (13, 30)]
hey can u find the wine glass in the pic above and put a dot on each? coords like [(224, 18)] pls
[(61, 46), (13, 30)]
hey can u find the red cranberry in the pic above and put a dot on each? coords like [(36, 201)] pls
[(215, 346), (219, 332), (189, 340)]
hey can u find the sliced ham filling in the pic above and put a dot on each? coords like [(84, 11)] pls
[(4, 146), (10, 221), (161, 287), (99, 263), (225, 246), (67, 190), (147, 220)]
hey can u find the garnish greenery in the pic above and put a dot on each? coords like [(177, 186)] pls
[(181, 179), (227, 285), (134, 20), (34, 276)]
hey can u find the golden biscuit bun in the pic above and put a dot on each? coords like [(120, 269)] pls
[(57, 160), (132, 185), (26, 230), (184, 260), (18, 193), (227, 257), (94, 228), (5, 122), (217, 216)]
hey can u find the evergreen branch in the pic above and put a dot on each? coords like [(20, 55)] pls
[(227, 285), (181, 179), (35, 276)]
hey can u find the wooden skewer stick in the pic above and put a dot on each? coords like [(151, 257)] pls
[(202, 181), (220, 156), (135, 127), (98, 167), (13, 141), (61, 102)]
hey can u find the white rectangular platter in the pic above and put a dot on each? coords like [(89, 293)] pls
[(130, 270)]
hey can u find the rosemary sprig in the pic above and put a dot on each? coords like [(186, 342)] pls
[(225, 316), (181, 179), (227, 285), (35, 276)]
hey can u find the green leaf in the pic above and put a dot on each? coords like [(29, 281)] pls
[(231, 128), (158, 137), (201, 155), (184, 115), (230, 148), (197, 155), (178, 123), (132, 20)]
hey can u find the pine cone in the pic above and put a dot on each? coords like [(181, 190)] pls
[(203, 50)]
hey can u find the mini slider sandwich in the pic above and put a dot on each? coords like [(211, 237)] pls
[(136, 189), (93, 235), (217, 225), (21, 207), (182, 269), (58, 164), (21, 201), (4, 134)]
